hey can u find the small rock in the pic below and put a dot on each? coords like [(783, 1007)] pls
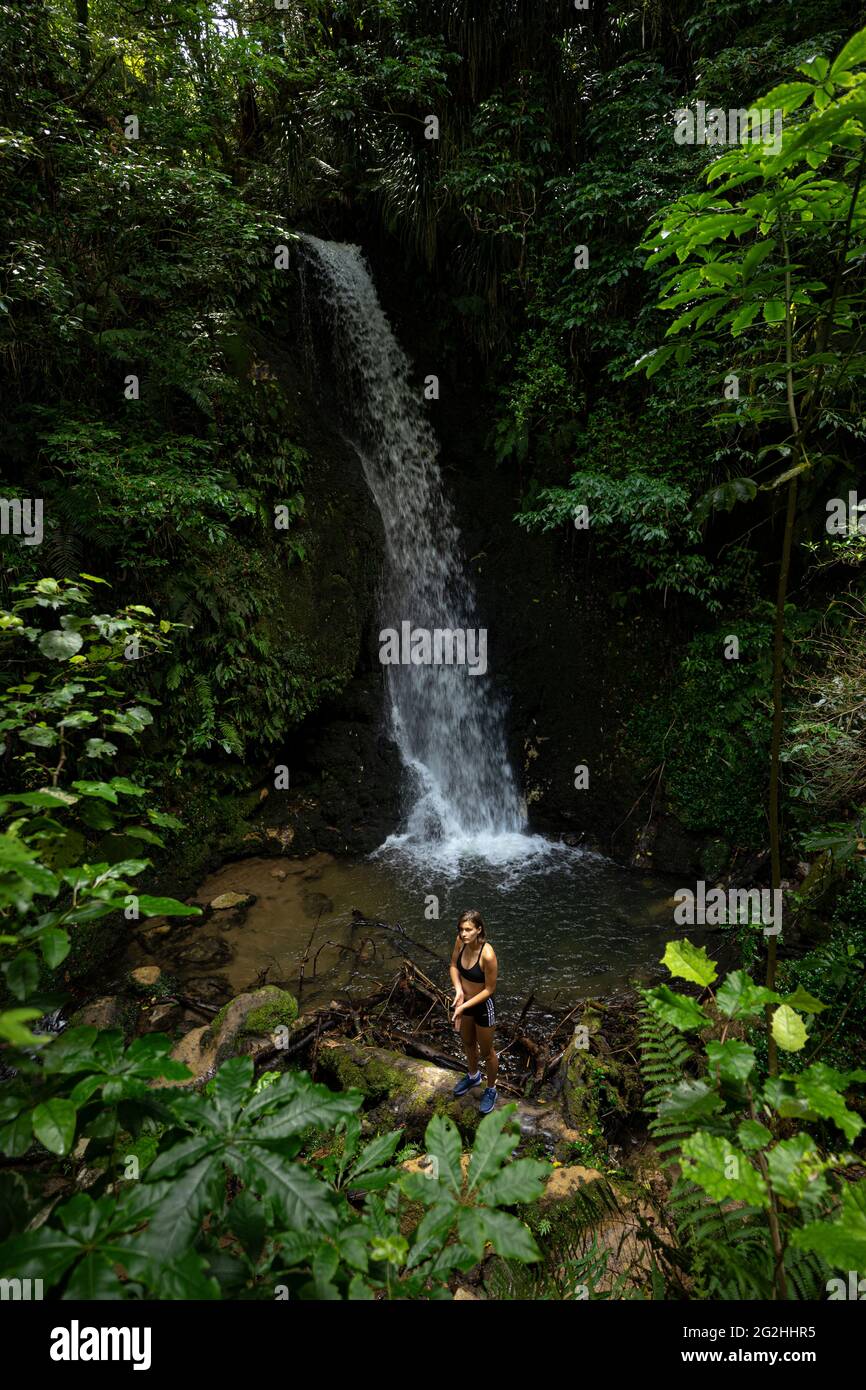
[(145, 976), (208, 989), (279, 873), (206, 951), (226, 900)]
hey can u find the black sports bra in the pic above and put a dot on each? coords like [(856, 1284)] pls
[(475, 972)]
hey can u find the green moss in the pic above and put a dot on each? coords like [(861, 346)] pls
[(592, 1085), (214, 829), (589, 1153), (277, 1012), (279, 1009), (376, 1080)]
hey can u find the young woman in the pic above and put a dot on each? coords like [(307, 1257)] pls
[(473, 973)]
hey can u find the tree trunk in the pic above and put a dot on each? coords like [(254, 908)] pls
[(85, 55)]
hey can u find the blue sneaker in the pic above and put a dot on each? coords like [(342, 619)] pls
[(467, 1083), (488, 1100)]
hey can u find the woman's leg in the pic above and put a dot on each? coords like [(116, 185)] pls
[(488, 1054), (470, 1042)]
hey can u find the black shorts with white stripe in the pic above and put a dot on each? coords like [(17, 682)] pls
[(483, 1013)]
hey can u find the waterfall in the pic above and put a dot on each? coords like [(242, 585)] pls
[(448, 722)]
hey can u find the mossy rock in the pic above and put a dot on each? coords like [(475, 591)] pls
[(257, 1013), (593, 1083), (243, 1027)]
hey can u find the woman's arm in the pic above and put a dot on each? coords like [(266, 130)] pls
[(491, 970), (455, 976)]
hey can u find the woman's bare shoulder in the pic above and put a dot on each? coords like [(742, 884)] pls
[(487, 952)]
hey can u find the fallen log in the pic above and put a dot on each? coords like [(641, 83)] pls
[(408, 1091)]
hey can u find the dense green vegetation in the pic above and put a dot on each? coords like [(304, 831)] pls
[(694, 380)]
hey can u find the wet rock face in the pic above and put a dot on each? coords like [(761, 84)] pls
[(349, 768), (573, 673), (570, 667)]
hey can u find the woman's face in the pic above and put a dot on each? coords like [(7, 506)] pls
[(468, 932)]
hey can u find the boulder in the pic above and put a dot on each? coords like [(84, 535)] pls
[(107, 1012), (259, 1012), (195, 1052), (243, 1027), (565, 1181)]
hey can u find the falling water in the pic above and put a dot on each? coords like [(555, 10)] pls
[(448, 723)]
